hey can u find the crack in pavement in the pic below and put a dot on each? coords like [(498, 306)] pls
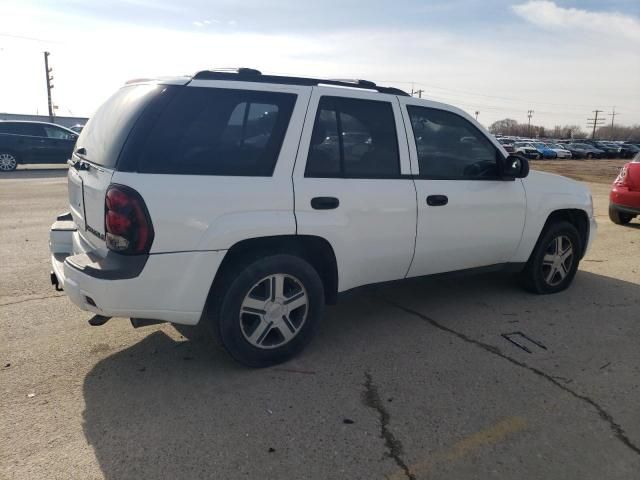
[(618, 431), (371, 399), (31, 300)]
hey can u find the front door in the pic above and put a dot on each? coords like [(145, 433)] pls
[(468, 216)]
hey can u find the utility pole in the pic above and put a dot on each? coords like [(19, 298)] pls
[(613, 116), (477, 113), (419, 92), (595, 122), (49, 84), (529, 114)]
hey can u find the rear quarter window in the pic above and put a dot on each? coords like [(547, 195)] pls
[(107, 130), (213, 131)]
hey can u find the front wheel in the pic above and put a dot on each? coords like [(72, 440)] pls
[(554, 261), (619, 218), (270, 310), (8, 162)]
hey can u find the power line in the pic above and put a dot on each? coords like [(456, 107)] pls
[(613, 116), (595, 122)]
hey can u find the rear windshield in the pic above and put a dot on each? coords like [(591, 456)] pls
[(106, 131)]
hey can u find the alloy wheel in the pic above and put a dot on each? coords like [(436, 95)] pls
[(274, 311), (558, 260), (7, 162)]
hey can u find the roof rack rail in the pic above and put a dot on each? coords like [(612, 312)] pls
[(253, 75)]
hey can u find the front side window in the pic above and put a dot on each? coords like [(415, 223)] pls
[(450, 147), (211, 131), (353, 138), (58, 133)]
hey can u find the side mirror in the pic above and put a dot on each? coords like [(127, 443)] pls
[(515, 166)]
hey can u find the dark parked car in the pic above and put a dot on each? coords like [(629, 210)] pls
[(629, 150), (610, 150), (584, 150), (34, 142)]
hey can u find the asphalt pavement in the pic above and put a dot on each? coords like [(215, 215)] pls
[(444, 378)]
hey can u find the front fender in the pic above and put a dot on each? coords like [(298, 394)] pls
[(547, 193)]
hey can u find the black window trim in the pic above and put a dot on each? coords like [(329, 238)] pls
[(421, 176), (342, 175)]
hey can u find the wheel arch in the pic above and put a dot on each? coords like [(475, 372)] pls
[(314, 249), (576, 217)]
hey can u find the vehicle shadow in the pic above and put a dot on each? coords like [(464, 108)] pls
[(183, 409)]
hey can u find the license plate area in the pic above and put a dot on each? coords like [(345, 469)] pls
[(76, 197)]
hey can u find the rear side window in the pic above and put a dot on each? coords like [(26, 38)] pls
[(106, 131), (23, 128), (212, 131), (353, 138)]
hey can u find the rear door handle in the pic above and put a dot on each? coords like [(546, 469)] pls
[(324, 203), (437, 200)]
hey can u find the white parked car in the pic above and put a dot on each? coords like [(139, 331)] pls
[(526, 150), (246, 202), (560, 150)]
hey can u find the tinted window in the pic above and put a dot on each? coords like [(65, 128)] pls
[(55, 132), (211, 131), (23, 128), (106, 131), (353, 138), (450, 147)]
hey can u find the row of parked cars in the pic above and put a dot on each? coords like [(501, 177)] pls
[(552, 149)]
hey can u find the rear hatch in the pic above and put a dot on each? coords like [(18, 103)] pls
[(97, 153)]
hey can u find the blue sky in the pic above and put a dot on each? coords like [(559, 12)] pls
[(560, 58)]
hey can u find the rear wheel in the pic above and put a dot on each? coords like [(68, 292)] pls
[(554, 261), (270, 310), (589, 156), (618, 217), (8, 162)]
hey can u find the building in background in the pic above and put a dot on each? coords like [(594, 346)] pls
[(58, 120)]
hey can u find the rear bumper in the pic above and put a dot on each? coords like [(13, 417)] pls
[(172, 286), (625, 200), (625, 209)]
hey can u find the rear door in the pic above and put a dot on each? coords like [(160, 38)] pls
[(29, 141), (468, 216), (353, 185)]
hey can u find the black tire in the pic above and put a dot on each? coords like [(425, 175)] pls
[(6, 157), (589, 156), (535, 275), (618, 217), (226, 322)]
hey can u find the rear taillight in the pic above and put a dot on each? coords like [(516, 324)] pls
[(623, 177), (127, 225)]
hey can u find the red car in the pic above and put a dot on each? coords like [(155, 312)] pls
[(624, 199)]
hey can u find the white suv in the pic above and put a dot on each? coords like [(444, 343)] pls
[(247, 202)]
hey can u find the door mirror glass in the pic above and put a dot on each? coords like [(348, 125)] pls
[(515, 166)]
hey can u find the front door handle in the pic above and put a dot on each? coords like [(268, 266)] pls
[(324, 203), (437, 200)]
